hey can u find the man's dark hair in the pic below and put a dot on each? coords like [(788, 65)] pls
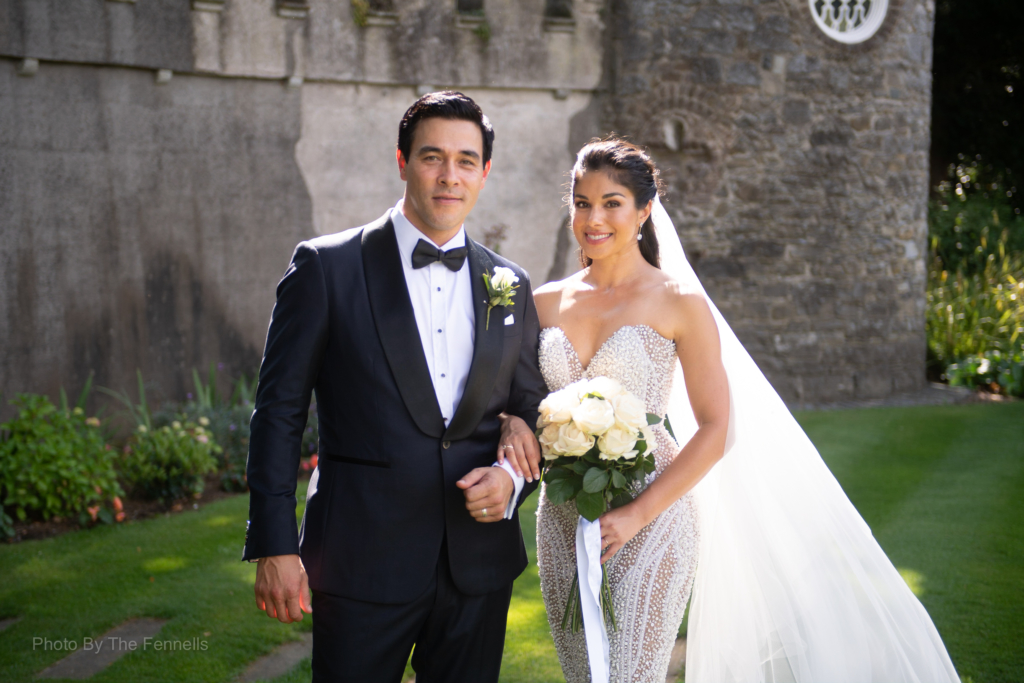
[(444, 105)]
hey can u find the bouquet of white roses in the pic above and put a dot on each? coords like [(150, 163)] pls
[(597, 445)]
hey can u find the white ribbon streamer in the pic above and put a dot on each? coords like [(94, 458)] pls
[(588, 568)]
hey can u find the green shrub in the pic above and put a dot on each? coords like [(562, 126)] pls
[(994, 370), (970, 220), (227, 420), (229, 426), (170, 462), (166, 462), (975, 322), (968, 315), (56, 463)]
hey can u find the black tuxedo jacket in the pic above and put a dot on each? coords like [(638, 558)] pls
[(383, 495)]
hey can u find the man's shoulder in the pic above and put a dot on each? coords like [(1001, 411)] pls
[(344, 242)]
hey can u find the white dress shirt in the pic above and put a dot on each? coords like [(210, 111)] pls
[(442, 302)]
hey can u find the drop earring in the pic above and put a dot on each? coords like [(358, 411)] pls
[(639, 234)]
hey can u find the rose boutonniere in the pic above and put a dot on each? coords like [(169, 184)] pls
[(501, 287)]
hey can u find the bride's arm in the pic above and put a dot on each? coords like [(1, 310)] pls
[(699, 350)]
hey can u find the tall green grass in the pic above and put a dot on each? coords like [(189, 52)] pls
[(975, 324), (975, 298)]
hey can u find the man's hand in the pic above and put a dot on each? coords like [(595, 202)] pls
[(519, 444), (487, 491), (282, 589)]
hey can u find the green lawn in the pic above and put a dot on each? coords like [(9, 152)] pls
[(942, 488)]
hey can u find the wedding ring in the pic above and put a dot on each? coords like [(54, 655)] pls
[(485, 512)]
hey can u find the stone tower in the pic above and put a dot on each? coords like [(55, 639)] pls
[(795, 150)]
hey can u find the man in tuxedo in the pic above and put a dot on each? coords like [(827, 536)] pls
[(410, 535)]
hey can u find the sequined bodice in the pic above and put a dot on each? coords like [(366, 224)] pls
[(635, 355)]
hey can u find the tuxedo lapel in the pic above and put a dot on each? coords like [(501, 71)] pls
[(396, 326), (486, 350)]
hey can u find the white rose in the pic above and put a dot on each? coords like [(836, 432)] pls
[(594, 416), (629, 411), (605, 386), (503, 277), (647, 433), (616, 443), (572, 440), (628, 455), (549, 442), (558, 406)]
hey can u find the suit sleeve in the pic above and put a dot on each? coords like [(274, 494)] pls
[(528, 387), (291, 362)]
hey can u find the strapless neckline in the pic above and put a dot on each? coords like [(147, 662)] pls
[(604, 344)]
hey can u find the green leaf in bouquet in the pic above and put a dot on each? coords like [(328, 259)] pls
[(580, 467), (668, 428), (649, 464), (618, 479), (595, 480), (593, 456), (556, 473), (590, 505), (652, 419), (641, 447), (560, 491), (621, 498)]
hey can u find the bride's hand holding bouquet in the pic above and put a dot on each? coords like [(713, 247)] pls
[(597, 443)]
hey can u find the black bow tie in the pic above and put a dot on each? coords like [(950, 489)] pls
[(426, 253)]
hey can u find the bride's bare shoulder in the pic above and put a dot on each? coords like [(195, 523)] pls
[(548, 298), (676, 289), (685, 304)]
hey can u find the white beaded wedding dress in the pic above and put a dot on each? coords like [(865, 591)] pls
[(652, 574), (788, 582)]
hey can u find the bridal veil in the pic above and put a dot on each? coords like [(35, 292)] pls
[(791, 585)]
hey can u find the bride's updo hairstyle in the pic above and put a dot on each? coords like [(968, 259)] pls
[(631, 167)]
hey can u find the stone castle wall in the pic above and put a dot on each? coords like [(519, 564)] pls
[(159, 161), (797, 172)]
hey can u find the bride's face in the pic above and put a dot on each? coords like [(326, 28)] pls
[(605, 219)]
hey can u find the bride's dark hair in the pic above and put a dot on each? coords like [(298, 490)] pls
[(631, 167)]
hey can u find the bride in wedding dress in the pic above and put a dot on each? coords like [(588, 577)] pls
[(788, 583)]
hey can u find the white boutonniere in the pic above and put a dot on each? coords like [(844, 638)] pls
[(501, 287)]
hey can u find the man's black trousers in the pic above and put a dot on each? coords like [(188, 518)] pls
[(457, 638)]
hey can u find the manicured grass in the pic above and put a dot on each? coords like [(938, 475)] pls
[(941, 487), (529, 651), (184, 568)]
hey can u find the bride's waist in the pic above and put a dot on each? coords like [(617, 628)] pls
[(665, 448)]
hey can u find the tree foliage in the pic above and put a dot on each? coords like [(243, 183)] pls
[(977, 110)]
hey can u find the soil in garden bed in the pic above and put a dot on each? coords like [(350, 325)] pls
[(133, 510)]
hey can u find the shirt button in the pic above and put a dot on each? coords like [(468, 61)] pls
[(439, 289), (442, 374), (439, 331), (446, 444)]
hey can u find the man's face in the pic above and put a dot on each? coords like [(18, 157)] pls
[(443, 175)]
